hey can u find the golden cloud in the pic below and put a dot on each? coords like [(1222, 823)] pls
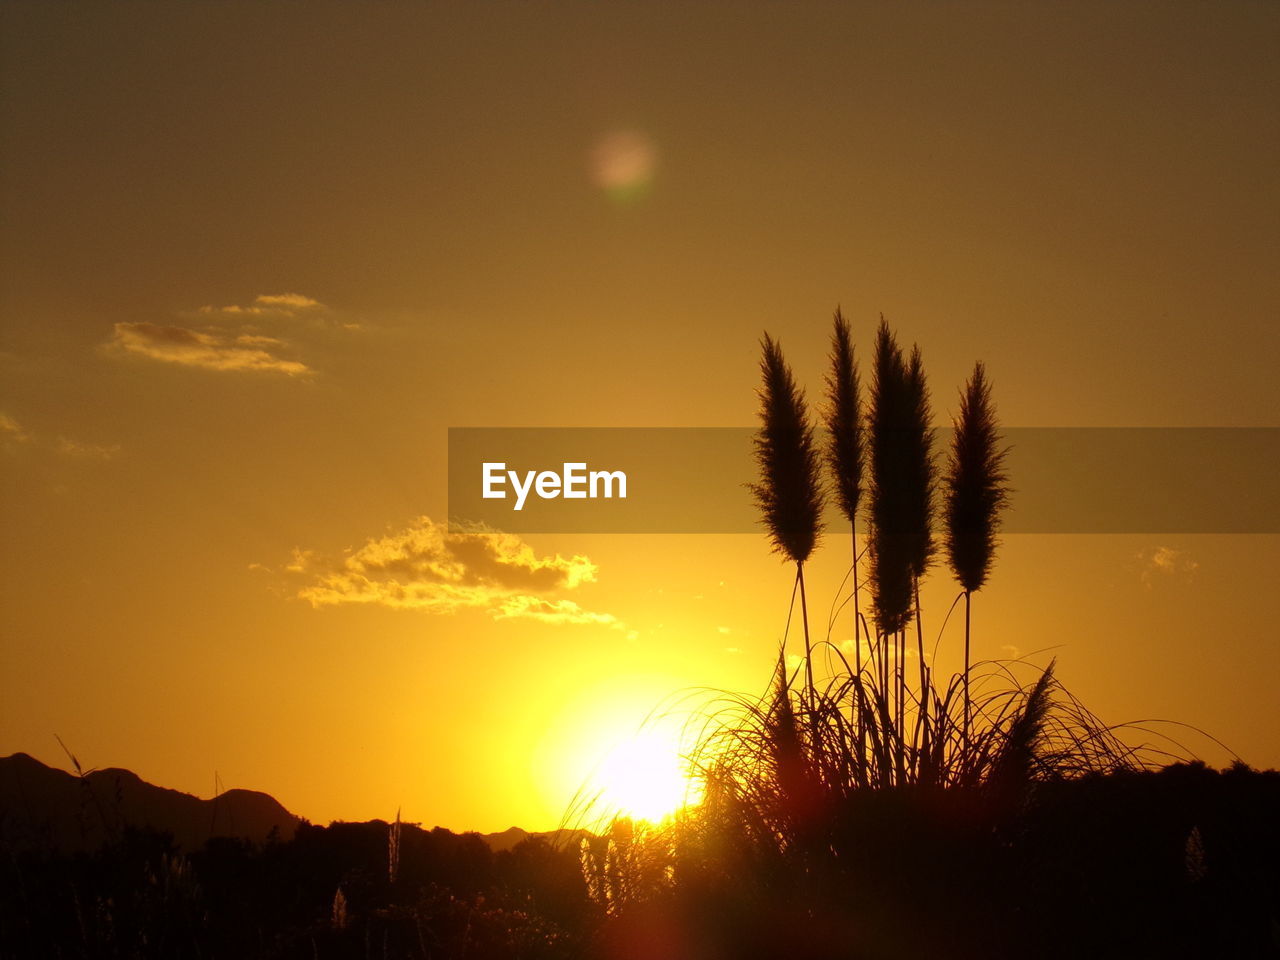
[(209, 349), (1165, 563), (87, 451), (286, 300), (549, 611), (11, 429), (238, 337), (284, 304), (427, 567), (12, 433)]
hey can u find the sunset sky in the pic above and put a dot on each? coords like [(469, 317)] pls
[(256, 259)]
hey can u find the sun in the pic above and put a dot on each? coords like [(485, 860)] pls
[(617, 748), (645, 777)]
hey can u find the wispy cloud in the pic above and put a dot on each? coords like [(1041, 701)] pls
[(1165, 563), (549, 611), (252, 337), (210, 349), (79, 450), (11, 430), (429, 568), (14, 435), (286, 304)]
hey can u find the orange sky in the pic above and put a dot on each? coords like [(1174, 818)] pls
[(256, 259)]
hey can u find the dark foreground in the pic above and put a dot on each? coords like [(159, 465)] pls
[(1180, 863)]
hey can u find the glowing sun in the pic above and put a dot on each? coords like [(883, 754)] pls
[(645, 778)]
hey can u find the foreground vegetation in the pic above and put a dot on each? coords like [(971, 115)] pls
[(339, 891), (1178, 863), (870, 807), (1182, 862)]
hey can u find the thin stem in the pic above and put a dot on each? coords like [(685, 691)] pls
[(808, 650), (857, 629), (924, 677), (900, 649), (857, 654), (966, 672)]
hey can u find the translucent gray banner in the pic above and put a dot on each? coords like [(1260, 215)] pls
[(695, 480)]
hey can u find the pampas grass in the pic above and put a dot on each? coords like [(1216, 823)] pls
[(845, 445), (891, 512), (976, 486), (901, 511), (795, 785), (976, 492), (789, 493), (782, 768), (846, 455)]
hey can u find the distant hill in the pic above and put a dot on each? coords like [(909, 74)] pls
[(506, 839), (513, 836), (46, 808)]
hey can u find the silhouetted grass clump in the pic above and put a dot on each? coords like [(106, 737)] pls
[(867, 810)]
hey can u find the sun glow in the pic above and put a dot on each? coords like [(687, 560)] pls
[(645, 777), (617, 749)]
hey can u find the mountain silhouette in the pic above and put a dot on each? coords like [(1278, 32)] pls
[(507, 839), (46, 808)]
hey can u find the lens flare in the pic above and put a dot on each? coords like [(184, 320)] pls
[(623, 164)]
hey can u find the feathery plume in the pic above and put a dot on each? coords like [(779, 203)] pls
[(844, 421), (976, 487), (890, 547), (845, 457), (919, 472), (789, 493)]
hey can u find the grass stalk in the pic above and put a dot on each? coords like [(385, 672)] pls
[(789, 493), (977, 492)]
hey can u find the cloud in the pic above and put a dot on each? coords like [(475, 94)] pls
[(1165, 563), (235, 337), (11, 430), (286, 300), (86, 451), (210, 349), (549, 611), (12, 433), (849, 648), (284, 304), (429, 568)]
